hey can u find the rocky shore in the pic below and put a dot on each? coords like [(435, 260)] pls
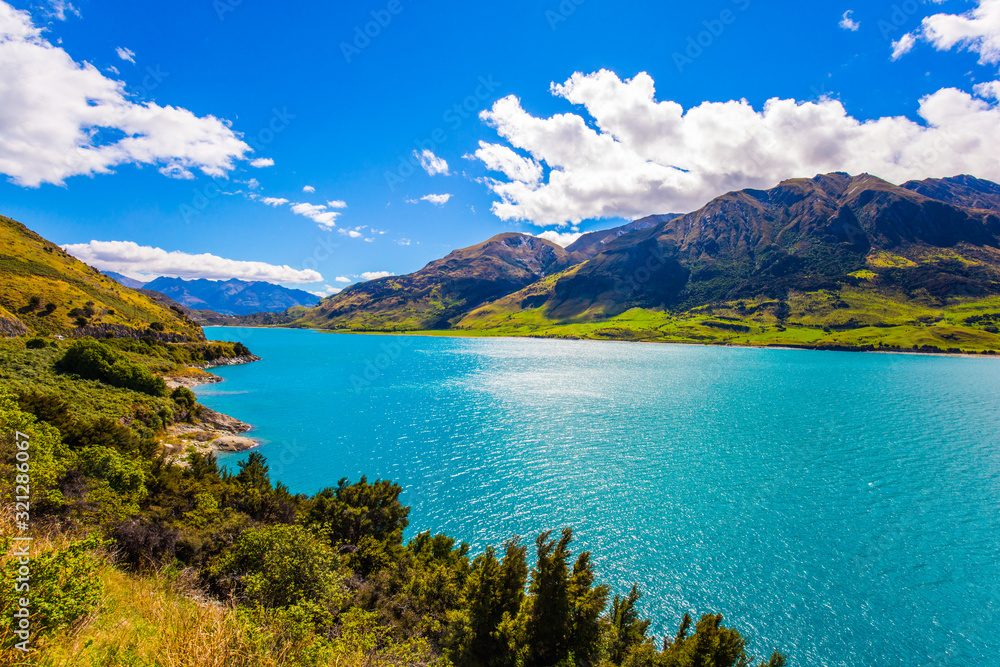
[(214, 431)]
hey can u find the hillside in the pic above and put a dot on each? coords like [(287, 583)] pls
[(835, 253), (592, 243), (44, 290), (444, 290), (231, 297)]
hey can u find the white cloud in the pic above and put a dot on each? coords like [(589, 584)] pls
[(977, 30), (431, 163), (274, 201), (848, 22), (59, 8), (53, 108), (262, 162), (126, 54), (318, 213), (437, 200), (133, 259), (375, 275), (989, 90), (640, 156), (404, 242), (353, 233), (903, 45), (510, 164), (337, 204), (560, 239), (341, 279), (309, 189), (328, 290), (253, 184)]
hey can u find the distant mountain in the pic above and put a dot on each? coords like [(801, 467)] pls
[(444, 290), (593, 243), (124, 280), (804, 235), (232, 297), (44, 290)]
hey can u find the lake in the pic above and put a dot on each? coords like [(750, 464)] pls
[(843, 508)]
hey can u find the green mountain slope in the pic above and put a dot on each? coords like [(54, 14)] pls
[(46, 291), (443, 291), (834, 261)]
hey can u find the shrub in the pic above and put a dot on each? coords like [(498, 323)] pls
[(144, 543), (65, 586), (281, 566), (49, 309), (157, 326), (184, 398), (96, 361), (36, 344)]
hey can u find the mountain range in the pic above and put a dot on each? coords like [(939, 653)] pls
[(831, 260), (225, 297), (835, 261)]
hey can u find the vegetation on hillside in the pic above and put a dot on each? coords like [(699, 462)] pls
[(141, 560), (847, 319), (48, 292)]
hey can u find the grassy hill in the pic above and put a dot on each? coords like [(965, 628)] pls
[(830, 262), (44, 290)]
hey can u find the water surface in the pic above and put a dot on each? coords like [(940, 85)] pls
[(844, 508)]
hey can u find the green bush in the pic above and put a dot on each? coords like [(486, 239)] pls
[(65, 586), (184, 398), (36, 344), (281, 566), (93, 360)]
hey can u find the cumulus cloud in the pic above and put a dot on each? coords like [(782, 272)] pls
[(262, 162), (126, 54), (134, 260), (341, 279), (375, 275), (640, 156), (510, 164), (318, 213), (989, 90), (339, 203), (55, 109), (431, 163), (274, 201), (560, 239), (309, 189), (848, 22), (977, 30), (903, 45)]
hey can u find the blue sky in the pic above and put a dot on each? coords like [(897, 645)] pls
[(348, 116)]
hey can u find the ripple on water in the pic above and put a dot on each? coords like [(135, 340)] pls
[(842, 507)]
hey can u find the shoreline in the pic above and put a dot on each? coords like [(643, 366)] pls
[(215, 432), (444, 333)]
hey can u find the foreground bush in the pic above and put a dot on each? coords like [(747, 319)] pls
[(94, 360)]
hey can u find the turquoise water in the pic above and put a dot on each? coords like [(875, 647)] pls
[(844, 508)]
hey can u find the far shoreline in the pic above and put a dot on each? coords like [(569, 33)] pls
[(444, 333)]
